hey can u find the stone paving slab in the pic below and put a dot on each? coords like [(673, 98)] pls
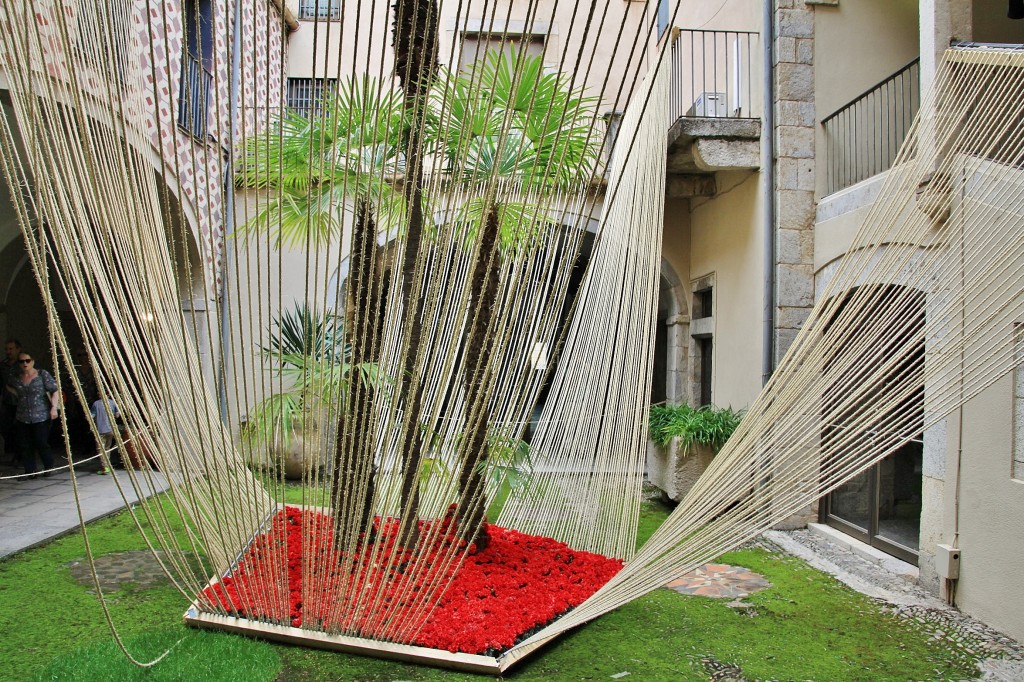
[(35, 511), (720, 581)]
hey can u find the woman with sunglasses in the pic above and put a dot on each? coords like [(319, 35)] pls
[(36, 391)]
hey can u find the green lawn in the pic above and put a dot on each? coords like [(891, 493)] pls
[(806, 627)]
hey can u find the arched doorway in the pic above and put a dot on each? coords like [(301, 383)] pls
[(670, 340), (23, 312)]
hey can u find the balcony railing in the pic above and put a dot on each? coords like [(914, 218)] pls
[(864, 136), (306, 95), (714, 74), (194, 97)]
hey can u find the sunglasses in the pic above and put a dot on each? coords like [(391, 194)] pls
[(25, 361)]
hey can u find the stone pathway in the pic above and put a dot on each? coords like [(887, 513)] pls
[(720, 581), (137, 569), (36, 510)]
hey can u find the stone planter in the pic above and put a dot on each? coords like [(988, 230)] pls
[(302, 455), (674, 470)]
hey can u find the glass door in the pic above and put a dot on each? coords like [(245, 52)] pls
[(882, 506)]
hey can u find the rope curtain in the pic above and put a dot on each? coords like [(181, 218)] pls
[(466, 258)]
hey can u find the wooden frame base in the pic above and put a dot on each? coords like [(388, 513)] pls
[(407, 653), (352, 645)]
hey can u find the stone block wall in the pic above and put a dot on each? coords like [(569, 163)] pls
[(794, 179), (794, 187)]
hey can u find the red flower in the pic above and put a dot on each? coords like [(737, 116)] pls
[(483, 601)]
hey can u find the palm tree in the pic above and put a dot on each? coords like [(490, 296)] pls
[(314, 169), (415, 42), (519, 134), (310, 353)]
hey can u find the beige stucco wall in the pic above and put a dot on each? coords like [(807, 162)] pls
[(863, 43), (675, 245), (991, 514), (731, 15), (266, 281), (726, 240), (991, 25), (353, 44)]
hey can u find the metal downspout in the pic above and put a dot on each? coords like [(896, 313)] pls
[(768, 188), (229, 206)]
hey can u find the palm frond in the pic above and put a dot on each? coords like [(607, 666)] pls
[(302, 332)]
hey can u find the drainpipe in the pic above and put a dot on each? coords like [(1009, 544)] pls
[(229, 207), (768, 185)]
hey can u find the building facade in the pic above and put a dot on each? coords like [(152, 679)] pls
[(848, 81), (740, 241), (172, 70)]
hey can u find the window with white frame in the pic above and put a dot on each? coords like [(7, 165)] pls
[(664, 14), (310, 10), (306, 95), (612, 121), (476, 45)]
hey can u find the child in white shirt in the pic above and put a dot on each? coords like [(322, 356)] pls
[(104, 415)]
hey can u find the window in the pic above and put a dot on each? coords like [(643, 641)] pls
[(306, 95), (196, 61), (664, 14), (612, 121), (476, 45), (702, 346), (311, 10), (706, 347), (702, 304)]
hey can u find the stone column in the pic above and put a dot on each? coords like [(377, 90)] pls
[(794, 194), (941, 21), (794, 181)]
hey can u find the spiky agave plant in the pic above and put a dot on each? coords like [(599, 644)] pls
[(309, 353)]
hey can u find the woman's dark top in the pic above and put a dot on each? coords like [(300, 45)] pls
[(33, 398)]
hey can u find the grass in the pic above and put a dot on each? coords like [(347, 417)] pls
[(806, 627)]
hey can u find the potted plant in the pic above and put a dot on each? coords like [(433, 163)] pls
[(311, 358), (684, 440)]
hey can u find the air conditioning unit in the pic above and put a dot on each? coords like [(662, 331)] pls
[(709, 105)]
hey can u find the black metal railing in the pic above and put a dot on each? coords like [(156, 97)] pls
[(194, 97), (863, 137), (306, 95), (714, 74), (310, 10)]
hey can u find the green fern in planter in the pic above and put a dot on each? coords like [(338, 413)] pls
[(708, 426)]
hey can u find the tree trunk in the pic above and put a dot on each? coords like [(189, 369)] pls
[(484, 283), (415, 41), (354, 474)]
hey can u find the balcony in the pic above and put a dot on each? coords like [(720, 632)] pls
[(716, 107), (863, 137)]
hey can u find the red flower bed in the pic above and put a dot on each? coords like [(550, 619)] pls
[(490, 599)]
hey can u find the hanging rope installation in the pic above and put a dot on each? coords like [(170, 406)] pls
[(476, 292)]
